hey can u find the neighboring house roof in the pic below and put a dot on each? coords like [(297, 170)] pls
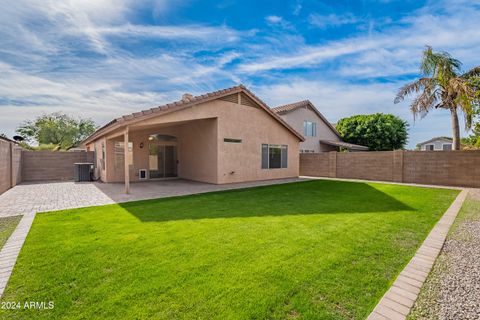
[(304, 104), (186, 102), (347, 145), (437, 139)]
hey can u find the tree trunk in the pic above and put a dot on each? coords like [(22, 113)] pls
[(455, 128)]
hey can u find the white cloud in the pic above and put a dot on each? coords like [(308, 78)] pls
[(399, 47), (297, 8), (331, 20), (274, 19)]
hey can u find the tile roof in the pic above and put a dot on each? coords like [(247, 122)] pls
[(187, 101), (291, 106), (280, 110)]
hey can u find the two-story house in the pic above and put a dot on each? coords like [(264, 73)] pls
[(320, 135)]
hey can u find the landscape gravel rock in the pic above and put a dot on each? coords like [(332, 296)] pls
[(452, 290)]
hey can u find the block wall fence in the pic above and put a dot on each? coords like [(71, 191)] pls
[(10, 165), (51, 165), (18, 165), (449, 168)]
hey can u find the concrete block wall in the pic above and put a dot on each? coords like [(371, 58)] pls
[(10, 165), (365, 165), (454, 168), (51, 165), (317, 164), (450, 168), (5, 160)]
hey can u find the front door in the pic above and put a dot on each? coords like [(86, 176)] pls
[(162, 161)]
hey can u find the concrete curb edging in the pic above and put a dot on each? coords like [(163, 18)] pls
[(11, 249), (399, 299)]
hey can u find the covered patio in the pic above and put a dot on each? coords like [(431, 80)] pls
[(159, 151)]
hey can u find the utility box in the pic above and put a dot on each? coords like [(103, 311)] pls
[(83, 172)]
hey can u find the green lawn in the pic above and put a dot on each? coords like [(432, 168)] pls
[(307, 250), (7, 225)]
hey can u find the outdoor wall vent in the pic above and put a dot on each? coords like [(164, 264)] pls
[(142, 174)]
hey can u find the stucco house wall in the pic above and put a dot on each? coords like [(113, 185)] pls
[(296, 119), (202, 153), (242, 161)]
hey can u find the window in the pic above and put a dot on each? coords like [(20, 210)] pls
[(229, 140), (274, 156), (447, 146), (309, 128), (429, 147), (119, 154)]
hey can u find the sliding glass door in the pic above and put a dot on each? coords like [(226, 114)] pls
[(162, 160)]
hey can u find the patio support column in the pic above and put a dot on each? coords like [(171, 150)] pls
[(127, 166)]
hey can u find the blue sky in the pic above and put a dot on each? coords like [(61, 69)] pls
[(105, 58)]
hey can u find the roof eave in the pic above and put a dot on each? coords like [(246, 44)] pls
[(146, 114)]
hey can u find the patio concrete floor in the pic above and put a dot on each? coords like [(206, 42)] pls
[(48, 196)]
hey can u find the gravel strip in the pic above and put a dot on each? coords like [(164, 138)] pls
[(452, 290)]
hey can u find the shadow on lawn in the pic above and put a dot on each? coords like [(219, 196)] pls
[(310, 197)]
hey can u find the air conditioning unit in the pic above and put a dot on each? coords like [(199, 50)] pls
[(83, 172), (142, 174)]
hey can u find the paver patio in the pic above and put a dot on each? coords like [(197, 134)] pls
[(49, 196)]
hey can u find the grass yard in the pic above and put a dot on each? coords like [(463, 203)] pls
[(307, 250), (7, 225)]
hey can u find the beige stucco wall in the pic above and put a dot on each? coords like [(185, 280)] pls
[(202, 153), (100, 171), (242, 161), (296, 118)]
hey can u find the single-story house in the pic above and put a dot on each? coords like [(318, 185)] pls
[(320, 135), (220, 137), (436, 144)]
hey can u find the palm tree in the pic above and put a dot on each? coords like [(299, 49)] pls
[(442, 86)]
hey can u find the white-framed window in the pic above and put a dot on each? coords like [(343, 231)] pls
[(274, 156), (309, 128), (447, 147), (429, 147)]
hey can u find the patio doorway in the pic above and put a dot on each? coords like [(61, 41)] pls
[(162, 157)]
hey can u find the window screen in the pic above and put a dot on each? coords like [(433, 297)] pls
[(264, 156), (284, 156), (274, 156)]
